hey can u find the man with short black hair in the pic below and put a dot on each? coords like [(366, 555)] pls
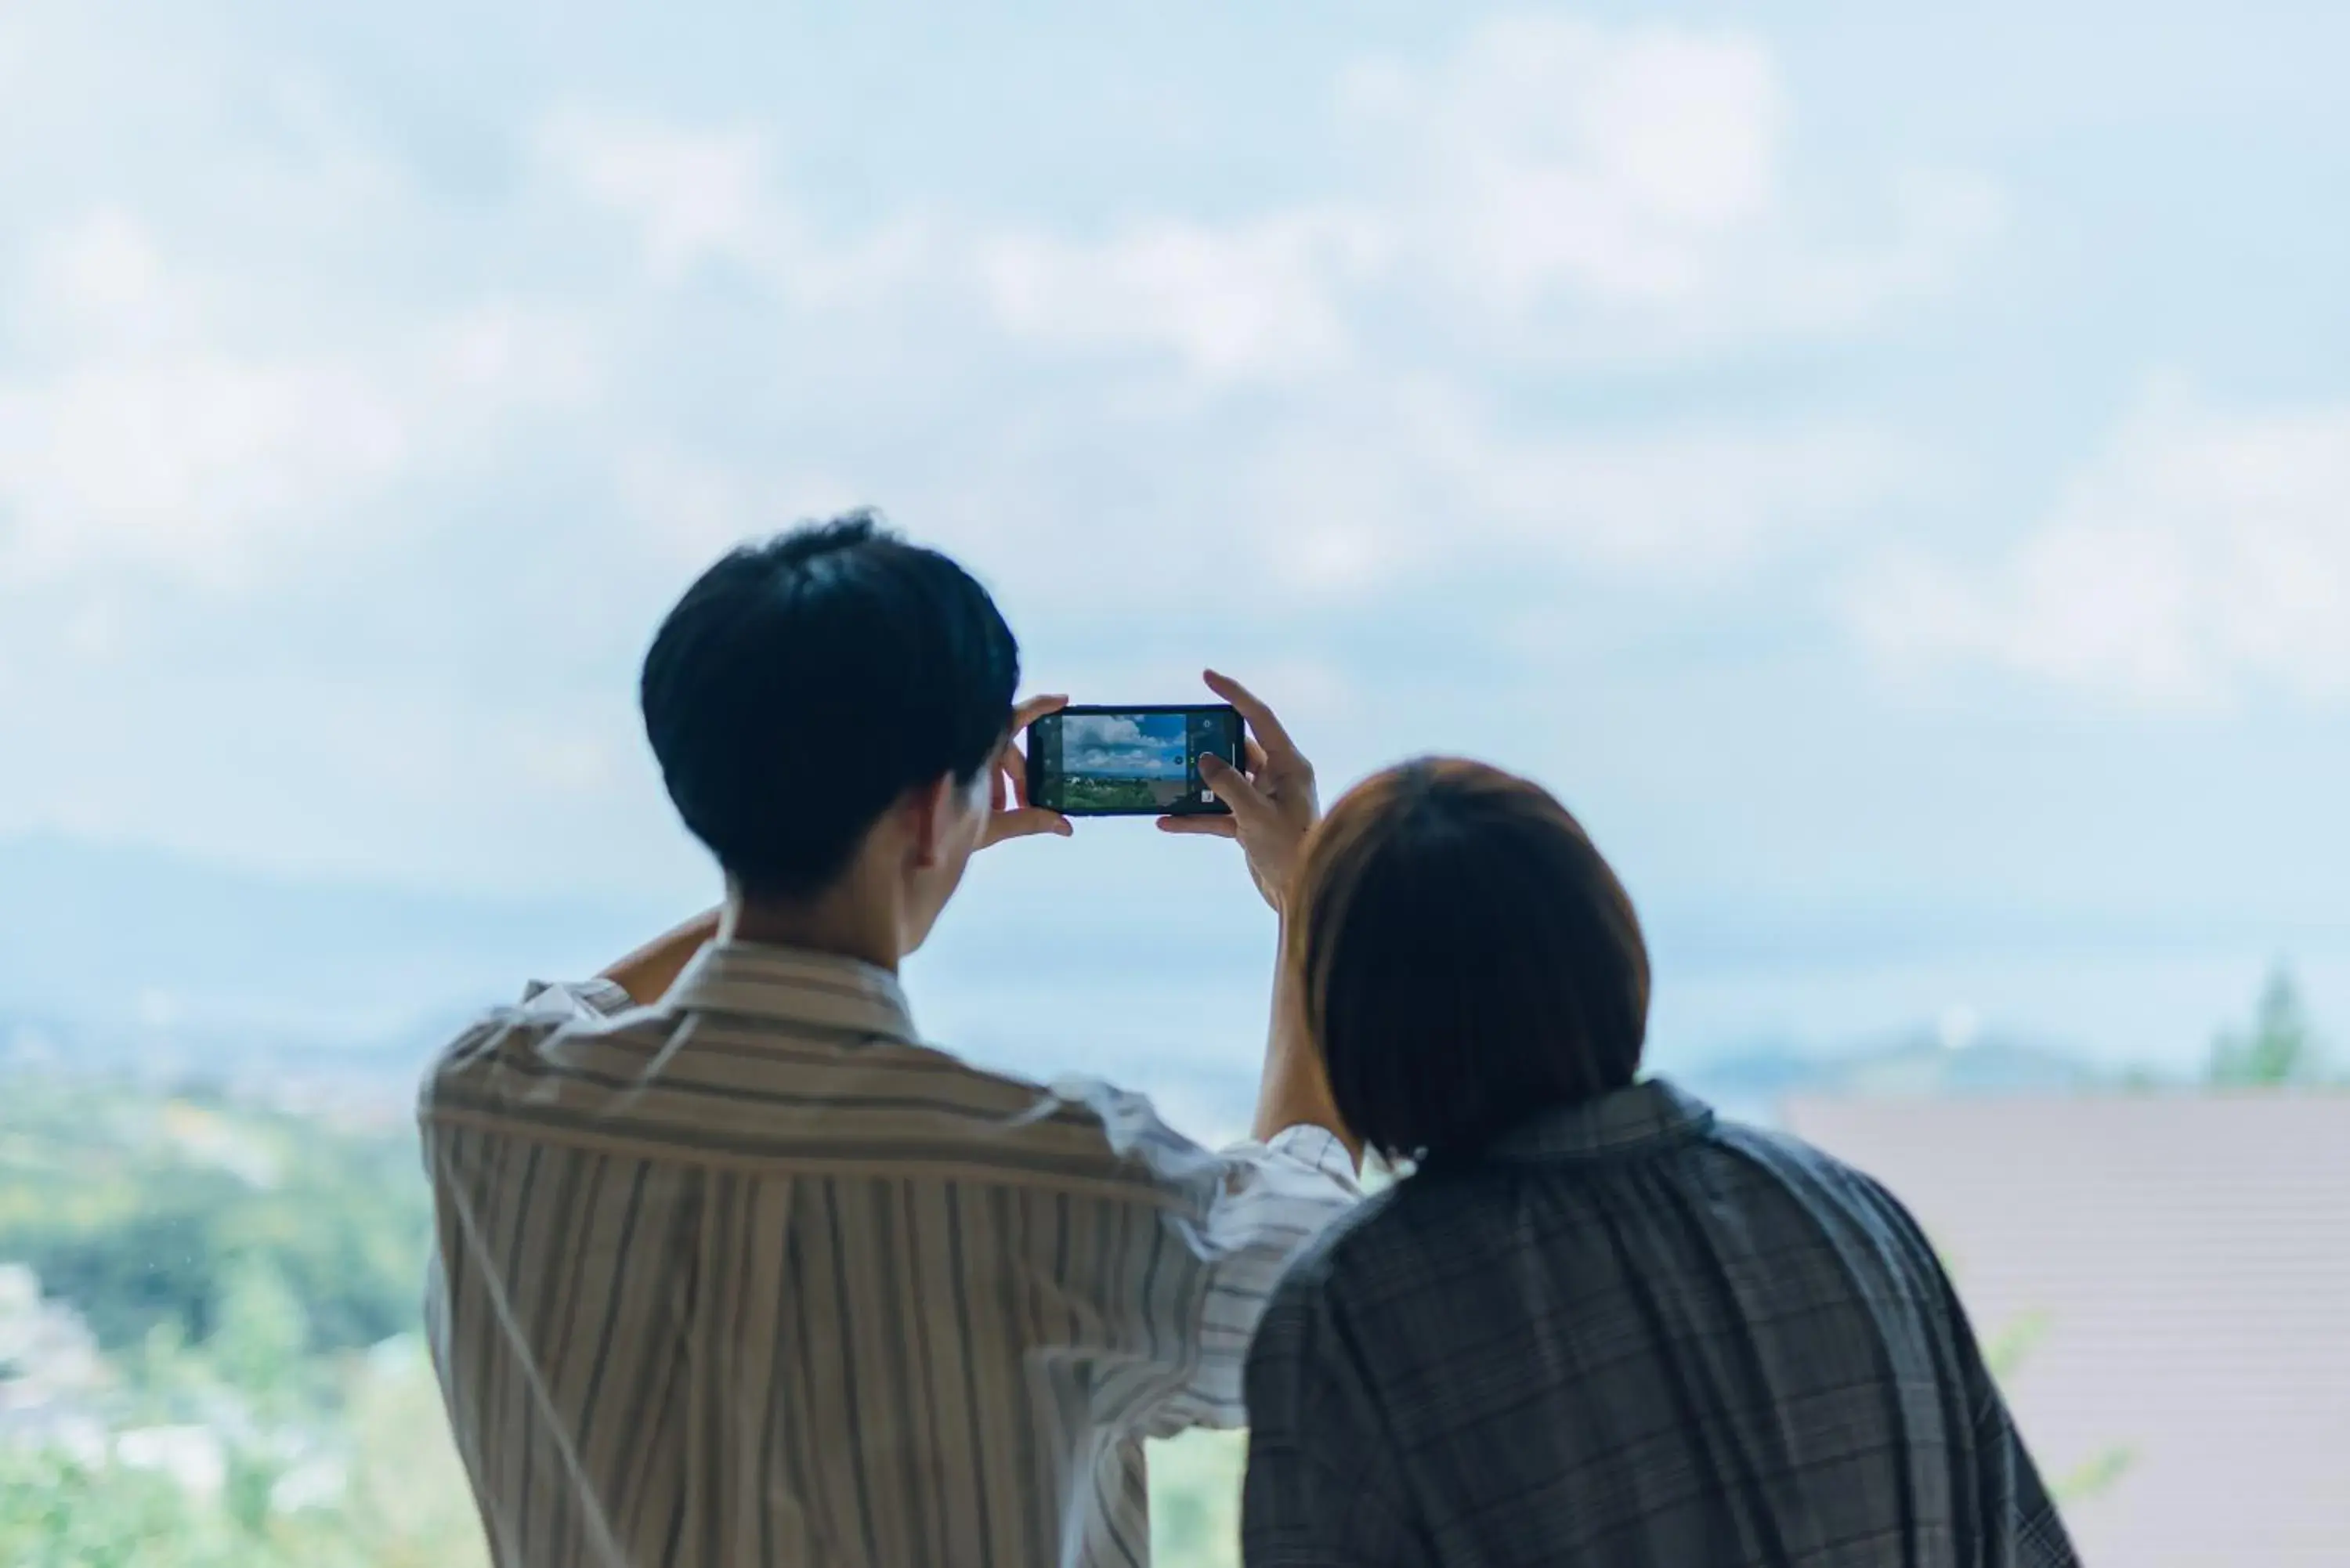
[(731, 1268)]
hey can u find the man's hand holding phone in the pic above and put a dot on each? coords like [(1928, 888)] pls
[(1011, 815), (1273, 804), (1268, 807)]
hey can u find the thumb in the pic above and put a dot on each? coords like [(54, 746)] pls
[(1235, 789), (1027, 821)]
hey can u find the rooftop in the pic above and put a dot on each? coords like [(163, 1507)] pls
[(2179, 1265)]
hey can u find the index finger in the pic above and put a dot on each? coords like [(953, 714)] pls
[(1240, 795), (1036, 708), (1259, 718)]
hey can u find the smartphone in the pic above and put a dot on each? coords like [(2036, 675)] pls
[(1130, 761)]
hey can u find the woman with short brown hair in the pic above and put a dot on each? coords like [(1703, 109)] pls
[(1596, 1324)]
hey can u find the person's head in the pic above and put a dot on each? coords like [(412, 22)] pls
[(827, 707), (1467, 958)]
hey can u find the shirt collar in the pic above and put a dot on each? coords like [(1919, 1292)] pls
[(1629, 1120), (791, 985)]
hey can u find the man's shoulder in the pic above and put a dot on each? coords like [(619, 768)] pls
[(571, 1063), (497, 1037)]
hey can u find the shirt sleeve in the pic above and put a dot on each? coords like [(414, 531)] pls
[(1276, 1197), (1323, 1489), (1224, 1225), (583, 999)]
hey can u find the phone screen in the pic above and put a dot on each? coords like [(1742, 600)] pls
[(1130, 761)]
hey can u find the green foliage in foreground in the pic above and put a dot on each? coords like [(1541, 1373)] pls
[(143, 1210), (56, 1512), (237, 1264), (404, 1504), (1195, 1499)]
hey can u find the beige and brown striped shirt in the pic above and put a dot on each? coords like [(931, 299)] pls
[(752, 1277)]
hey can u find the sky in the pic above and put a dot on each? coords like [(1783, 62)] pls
[(1886, 470)]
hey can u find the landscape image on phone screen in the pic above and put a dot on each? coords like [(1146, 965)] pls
[(1139, 762)]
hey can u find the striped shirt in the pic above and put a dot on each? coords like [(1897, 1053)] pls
[(752, 1277), (1630, 1334)]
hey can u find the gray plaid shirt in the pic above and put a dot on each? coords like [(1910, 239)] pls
[(1632, 1334)]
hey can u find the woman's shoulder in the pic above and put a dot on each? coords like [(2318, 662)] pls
[(1390, 1239)]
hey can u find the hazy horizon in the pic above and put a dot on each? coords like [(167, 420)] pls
[(132, 939)]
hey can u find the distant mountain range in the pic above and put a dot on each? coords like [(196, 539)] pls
[(123, 957), (1751, 1084), (129, 940)]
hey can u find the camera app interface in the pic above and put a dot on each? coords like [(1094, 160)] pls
[(1138, 761)]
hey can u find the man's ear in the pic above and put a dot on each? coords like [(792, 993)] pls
[(926, 805)]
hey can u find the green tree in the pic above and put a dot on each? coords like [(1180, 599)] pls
[(56, 1512), (1195, 1499), (262, 1343), (408, 1498), (139, 1209), (2281, 1049)]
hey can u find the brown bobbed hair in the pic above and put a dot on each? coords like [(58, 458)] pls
[(1467, 958)]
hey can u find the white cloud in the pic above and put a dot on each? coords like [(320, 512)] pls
[(693, 195), (1552, 189), (1608, 193), (502, 353), (1332, 494), (1378, 492), (218, 469), (1246, 299), (2203, 554), (1103, 732), (699, 197), (691, 505), (149, 433), (1686, 504), (102, 267), (193, 465), (1551, 153), (1558, 189), (1255, 299)]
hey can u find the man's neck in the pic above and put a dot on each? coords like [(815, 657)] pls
[(846, 928)]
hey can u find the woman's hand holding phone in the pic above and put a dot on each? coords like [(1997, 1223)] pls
[(1273, 804)]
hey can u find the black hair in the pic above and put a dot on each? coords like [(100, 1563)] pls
[(1468, 958), (806, 682)]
